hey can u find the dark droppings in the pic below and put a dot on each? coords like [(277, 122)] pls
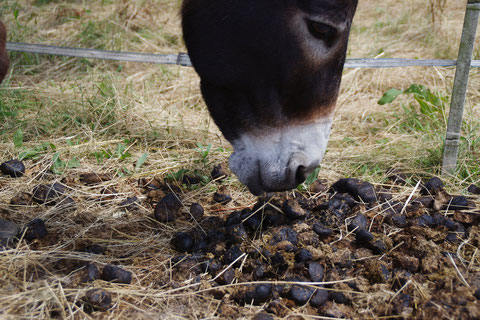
[(474, 189), (183, 242), (300, 294), (221, 198), (8, 229), (197, 211), (91, 273), (432, 186), (48, 194), (99, 299), (167, 208), (303, 255), (293, 210), (259, 295), (220, 171), (13, 168), (92, 178), (116, 274), (315, 271), (131, 203), (35, 229)]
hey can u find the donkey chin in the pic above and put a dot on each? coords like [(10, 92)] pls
[(279, 159)]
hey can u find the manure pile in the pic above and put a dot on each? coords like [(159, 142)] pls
[(343, 250)]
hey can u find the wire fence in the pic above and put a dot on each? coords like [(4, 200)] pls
[(184, 60)]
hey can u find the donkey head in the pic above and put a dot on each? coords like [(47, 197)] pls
[(270, 74)]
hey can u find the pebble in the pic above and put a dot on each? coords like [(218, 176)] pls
[(99, 299), (432, 186), (35, 229), (197, 211), (315, 271), (167, 208), (8, 230), (303, 255), (220, 171), (116, 274), (300, 294), (183, 242), (293, 210), (221, 198), (13, 168), (321, 230)]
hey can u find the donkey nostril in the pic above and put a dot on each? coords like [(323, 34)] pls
[(301, 174)]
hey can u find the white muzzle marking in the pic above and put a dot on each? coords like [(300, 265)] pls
[(269, 162)]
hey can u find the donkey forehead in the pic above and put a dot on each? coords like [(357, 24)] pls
[(338, 10)]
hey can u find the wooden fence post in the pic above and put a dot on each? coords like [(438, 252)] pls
[(452, 140)]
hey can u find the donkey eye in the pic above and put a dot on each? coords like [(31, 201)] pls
[(322, 31)]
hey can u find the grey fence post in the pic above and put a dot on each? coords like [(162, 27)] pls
[(452, 140)]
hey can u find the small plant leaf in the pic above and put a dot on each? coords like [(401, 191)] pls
[(141, 161), (73, 163), (312, 177), (389, 96)]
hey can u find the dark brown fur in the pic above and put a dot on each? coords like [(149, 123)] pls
[(4, 61), (255, 70)]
